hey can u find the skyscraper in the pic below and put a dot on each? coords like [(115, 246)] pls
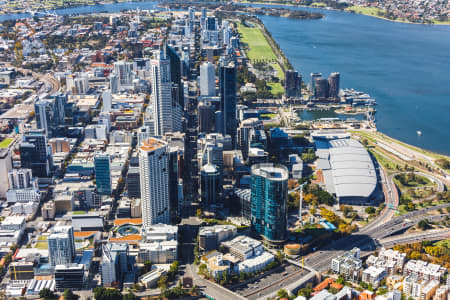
[(314, 76), (333, 85), (154, 176), (205, 117), (269, 196), (61, 245), (175, 73), (210, 184), (114, 83), (293, 84), (207, 79), (107, 100), (227, 83), (102, 166), (191, 18), (166, 112), (35, 153), (50, 114), (5, 167), (124, 72), (321, 89)]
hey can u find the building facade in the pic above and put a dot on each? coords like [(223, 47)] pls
[(269, 201)]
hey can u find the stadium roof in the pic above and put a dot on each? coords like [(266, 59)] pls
[(348, 167)]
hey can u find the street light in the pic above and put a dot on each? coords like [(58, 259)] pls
[(301, 203)]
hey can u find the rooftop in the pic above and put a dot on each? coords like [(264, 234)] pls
[(152, 144)]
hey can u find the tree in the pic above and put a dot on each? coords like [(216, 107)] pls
[(423, 224), (370, 210), (363, 285), (47, 294), (69, 295), (162, 283), (202, 269), (282, 294), (199, 212), (130, 296), (101, 293)]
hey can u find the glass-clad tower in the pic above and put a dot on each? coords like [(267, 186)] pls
[(269, 192)]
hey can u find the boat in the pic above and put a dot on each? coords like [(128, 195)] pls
[(419, 132)]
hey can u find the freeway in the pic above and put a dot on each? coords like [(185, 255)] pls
[(417, 237), (365, 239)]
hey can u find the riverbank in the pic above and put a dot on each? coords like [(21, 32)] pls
[(260, 50), (367, 11), (376, 13)]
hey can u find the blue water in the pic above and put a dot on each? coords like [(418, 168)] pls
[(405, 67)]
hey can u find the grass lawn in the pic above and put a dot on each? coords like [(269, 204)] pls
[(414, 184), (370, 11), (276, 88), (41, 245), (5, 143), (259, 47), (318, 4), (78, 212), (42, 238), (269, 116)]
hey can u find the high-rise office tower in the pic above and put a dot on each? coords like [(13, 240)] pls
[(314, 76), (166, 111), (61, 245), (269, 192), (321, 89), (133, 182), (108, 266), (293, 84), (203, 17), (227, 82), (5, 167), (80, 85), (107, 100), (207, 79), (175, 73), (210, 184), (50, 114), (114, 83), (243, 134), (154, 176), (205, 117), (124, 71), (333, 85), (36, 154), (191, 18), (102, 166), (211, 23)]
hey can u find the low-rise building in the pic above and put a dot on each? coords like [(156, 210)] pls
[(423, 270), (349, 265), (373, 275), (210, 237), (159, 252)]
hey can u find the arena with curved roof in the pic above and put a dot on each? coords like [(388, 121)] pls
[(348, 170)]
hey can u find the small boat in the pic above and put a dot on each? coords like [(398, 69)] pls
[(419, 132)]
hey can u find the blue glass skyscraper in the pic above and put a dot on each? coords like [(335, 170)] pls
[(269, 201), (102, 165)]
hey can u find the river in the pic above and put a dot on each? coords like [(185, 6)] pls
[(405, 67)]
